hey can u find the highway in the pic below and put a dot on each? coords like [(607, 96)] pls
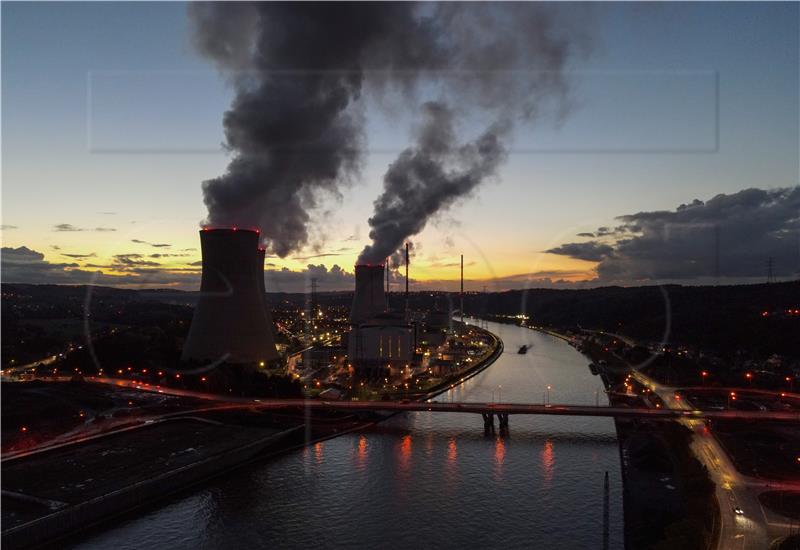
[(747, 531)]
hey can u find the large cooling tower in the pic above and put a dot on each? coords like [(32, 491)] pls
[(231, 321), (370, 296)]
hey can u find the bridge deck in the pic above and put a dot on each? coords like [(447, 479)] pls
[(524, 408)]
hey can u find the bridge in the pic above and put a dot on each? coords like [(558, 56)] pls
[(502, 410)]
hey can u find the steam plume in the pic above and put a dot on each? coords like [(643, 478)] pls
[(300, 70), (295, 124), (428, 177)]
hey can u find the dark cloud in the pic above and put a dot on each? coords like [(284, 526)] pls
[(70, 227), (23, 265), (585, 235), (322, 255), (732, 236), (79, 256), (65, 227), (155, 245), (126, 261), (161, 255), (286, 280), (591, 251)]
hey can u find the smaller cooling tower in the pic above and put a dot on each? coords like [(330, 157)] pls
[(370, 296), (231, 321)]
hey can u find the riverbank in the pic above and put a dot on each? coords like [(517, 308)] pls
[(58, 492), (451, 382), (668, 496), (138, 466)]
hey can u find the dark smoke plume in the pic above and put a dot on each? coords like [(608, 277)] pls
[(295, 125), (506, 63), (301, 69), (429, 177)]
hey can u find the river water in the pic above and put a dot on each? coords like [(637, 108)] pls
[(421, 480)]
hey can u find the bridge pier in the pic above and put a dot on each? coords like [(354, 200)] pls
[(488, 421), (502, 419)]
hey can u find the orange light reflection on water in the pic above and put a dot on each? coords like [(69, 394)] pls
[(361, 452), (405, 453), (318, 452), (499, 456), (452, 451), (548, 461)]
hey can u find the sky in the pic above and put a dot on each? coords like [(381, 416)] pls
[(676, 160)]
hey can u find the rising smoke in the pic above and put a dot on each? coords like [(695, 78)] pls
[(428, 177), (300, 71)]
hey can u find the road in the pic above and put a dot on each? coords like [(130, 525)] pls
[(739, 532)]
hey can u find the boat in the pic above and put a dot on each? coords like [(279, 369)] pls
[(523, 350)]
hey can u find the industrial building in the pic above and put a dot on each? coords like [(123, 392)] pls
[(231, 322), (379, 339)]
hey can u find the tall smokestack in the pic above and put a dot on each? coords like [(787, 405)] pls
[(407, 262), (231, 322), (370, 296), (461, 297)]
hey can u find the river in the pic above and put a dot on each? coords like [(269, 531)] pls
[(424, 480)]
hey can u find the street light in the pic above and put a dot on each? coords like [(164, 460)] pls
[(549, 387), (703, 374), (731, 397)]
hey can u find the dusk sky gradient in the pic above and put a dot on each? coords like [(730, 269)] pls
[(111, 121)]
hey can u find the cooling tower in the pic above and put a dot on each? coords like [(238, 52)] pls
[(370, 296), (231, 321)]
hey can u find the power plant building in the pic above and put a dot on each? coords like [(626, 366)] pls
[(378, 339), (231, 321)]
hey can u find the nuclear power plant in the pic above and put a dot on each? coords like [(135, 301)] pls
[(379, 339), (231, 322), (369, 299)]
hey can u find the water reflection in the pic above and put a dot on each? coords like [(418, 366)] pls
[(548, 461), (499, 457), (452, 452), (379, 488), (318, 452), (361, 452)]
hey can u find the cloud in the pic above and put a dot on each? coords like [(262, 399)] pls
[(24, 265), (78, 256), (322, 255), (123, 261), (592, 251), (287, 280), (7, 227), (731, 235), (585, 235), (161, 255), (70, 227), (155, 245)]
